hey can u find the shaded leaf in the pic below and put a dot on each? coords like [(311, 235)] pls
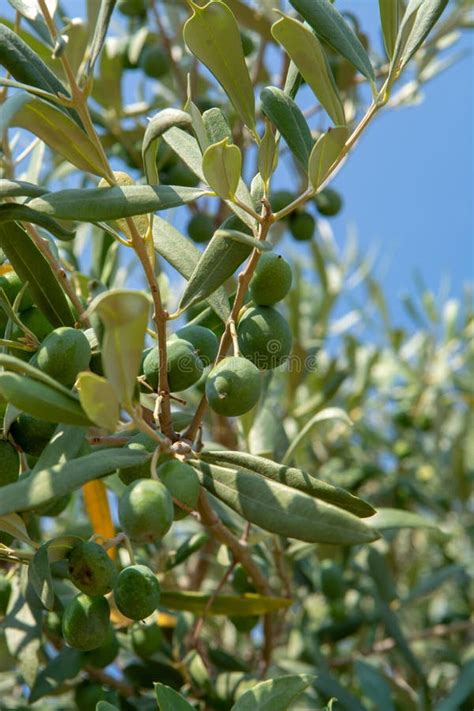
[(56, 128), (100, 32), (390, 21), (64, 666), (294, 478), (417, 22), (234, 605), (218, 262), (40, 487), (326, 151), (267, 154), (15, 212), (387, 518), (39, 574), (279, 509), (106, 204), (274, 694), (183, 255), (169, 700), (64, 445), (290, 122), (330, 26), (159, 124), (329, 413), (124, 314), (15, 526), (307, 53), (213, 36), (31, 266), (463, 686), (216, 125), (374, 686), (20, 188), (328, 685), (98, 400)]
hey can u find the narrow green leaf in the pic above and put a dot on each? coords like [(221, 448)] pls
[(212, 34), (278, 509), (294, 478), (290, 122), (40, 487), (274, 694), (374, 686), (329, 686), (124, 314), (28, 68), (183, 255), (105, 706), (41, 400), (218, 262), (419, 19), (15, 365), (326, 151), (16, 212), (98, 400), (187, 148), (234, 605), (103, 204), (222, 165), (390, 20), (64, 445), (32, 266), (462, 688), (169, 700), (331, 27), (243, 238), (159, 124), (56, 128), (387, 518), (15, 526), (382, 576), (64, 666), (197, 121), (39, 574), (394, 629), (100, 32), (306, 51), (20, 188), (329, 413), (267, 154)]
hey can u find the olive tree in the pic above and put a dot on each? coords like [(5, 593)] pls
[(205, 504)]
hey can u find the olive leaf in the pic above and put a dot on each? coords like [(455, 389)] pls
[(291, 477), (243, 238), (329, 413), (218, 262), (387, 518), (288, 118), (124, 314), (65, 444), (40, 487), (20, 188), (97, 204), (62, 667), (16, 212), (306, 51), (213, 36), (331, 27), (216, 125), (279, 509), (235, 605), (56, 128), (159, 124), (267, 154), (100, 32), (418, 20), (98, 400), (32, 266), (183, 255), (167, 699), (15, 526), (277, 694), (222, 165), (326, 151), (390, 21)]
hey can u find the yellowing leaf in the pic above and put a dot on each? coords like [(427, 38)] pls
[(98, 400), (222, 164), (326, 150)]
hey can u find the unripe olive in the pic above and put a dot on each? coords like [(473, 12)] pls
[(183, 364), (90, 568), (203, 340), (143, 443), (332, 580), (36, 321), (180, 174), (132, 8), (201, 227), (240, 580), (106, 653), (281, 199), (328, 202), (233, 386), (182, 482), (271, 281), (86, 622), (154, 61), (264, 337), (146, 510), (9, 463), (146, 639), (137, 592), (5, 592), (31, 434), (63, 354), (11, 285), (302, 225)]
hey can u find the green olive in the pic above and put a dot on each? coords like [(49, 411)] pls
[(264, 337), (233, 386), (271, 281), (146, 510), (137, 592)]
